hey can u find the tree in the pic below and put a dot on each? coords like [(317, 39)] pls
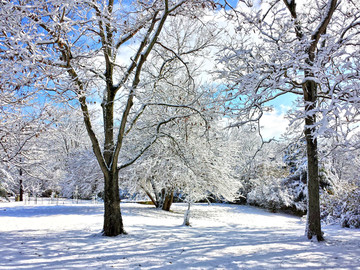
[(209, 168), (302, 51), (195, 166), (75, 158), (72, 49), (176, 70), (22, 123)]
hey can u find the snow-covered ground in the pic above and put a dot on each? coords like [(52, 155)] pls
[(67, 236)]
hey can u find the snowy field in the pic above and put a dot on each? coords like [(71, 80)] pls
[(67, 236)]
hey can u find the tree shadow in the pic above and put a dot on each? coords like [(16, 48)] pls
[(167, 245), (50, 210)]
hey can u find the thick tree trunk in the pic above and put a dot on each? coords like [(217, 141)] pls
[(168, 200), (113, 224), (313, 225)]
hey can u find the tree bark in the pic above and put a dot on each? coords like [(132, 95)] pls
[(187, 216), (168, 200), (313, 224), (113, 223), (157, 197), (21, 191), (151, 197)]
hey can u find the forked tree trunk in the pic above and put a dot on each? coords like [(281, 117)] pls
[(313, 223), (313, 226), (162, 200), (113, 224)]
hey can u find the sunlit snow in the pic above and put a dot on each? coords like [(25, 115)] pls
[(222, 236)]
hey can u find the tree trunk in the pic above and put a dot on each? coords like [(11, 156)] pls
[(313, 226), (113, 224), (21, 195), (313, 223), (187, 216), (168, 200), (157, 197), (151, 197)]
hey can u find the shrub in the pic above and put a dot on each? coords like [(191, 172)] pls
[(342, 206), (269, 193)]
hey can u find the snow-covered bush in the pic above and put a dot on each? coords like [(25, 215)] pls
[(297, 191), (264, 183), (269, 193), (342, 206)]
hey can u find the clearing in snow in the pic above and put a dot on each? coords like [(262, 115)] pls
[(222, 236)]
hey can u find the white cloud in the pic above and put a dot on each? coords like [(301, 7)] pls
[(273, 123)]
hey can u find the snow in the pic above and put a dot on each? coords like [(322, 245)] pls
[(67, 236)]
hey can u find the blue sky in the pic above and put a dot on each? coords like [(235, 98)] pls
[(285, 100)]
